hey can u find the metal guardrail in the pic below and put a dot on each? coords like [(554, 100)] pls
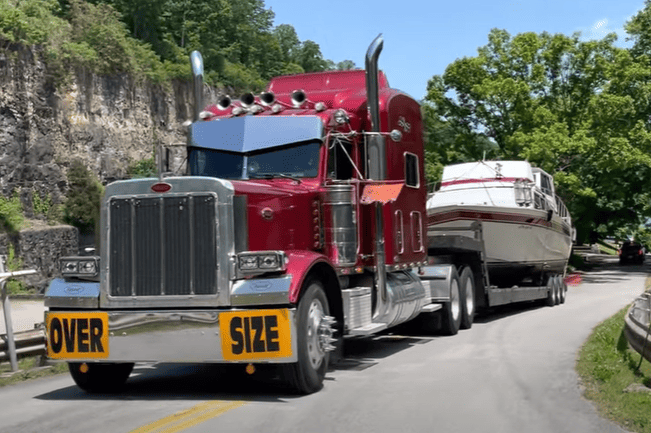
[(637, 328), (27, 343), (9, 340)]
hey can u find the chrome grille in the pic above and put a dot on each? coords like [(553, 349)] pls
[(162, 246)]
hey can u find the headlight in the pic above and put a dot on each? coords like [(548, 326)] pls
[(262, 261), (79, 266)]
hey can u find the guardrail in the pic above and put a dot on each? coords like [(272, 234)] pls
[(637, 329), (9, 340), (27, 343)]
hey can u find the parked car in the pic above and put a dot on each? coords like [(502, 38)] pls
[(631, 252)]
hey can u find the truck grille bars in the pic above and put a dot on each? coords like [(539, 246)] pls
[(163, 246)]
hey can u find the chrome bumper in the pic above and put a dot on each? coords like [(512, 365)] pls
[(170, 336)]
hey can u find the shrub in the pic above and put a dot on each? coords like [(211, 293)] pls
[(11, 213), (143, 168), (82, 203)]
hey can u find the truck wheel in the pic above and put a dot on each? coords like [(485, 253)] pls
[(314, 328), (551, 293), (451, 313), (100, 377), (558, 283), (467, 292), (562, 288)]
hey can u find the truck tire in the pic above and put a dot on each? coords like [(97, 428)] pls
[(563, 288), (307, 375), (551, 293), (100, 377), (452, 310), (557, 282), (467, 293)]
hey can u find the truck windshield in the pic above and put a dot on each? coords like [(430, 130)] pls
[(288, 161)]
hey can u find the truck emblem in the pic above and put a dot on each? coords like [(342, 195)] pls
[(267, 213), (402, 122), (161, 187)]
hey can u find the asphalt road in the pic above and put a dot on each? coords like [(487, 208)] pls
[(512, 372)]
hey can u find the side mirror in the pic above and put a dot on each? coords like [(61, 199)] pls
[(550, 213)]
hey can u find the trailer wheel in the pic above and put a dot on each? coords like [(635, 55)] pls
[(467, 293), (314, 328), (100, 377), (551, 293), (452, 311)]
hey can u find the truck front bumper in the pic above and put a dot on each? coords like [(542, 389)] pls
[(220, 336)]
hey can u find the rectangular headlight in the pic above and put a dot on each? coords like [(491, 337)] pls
[(263, 261), (79, 266)]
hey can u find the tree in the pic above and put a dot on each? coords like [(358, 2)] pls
[(576, 109)]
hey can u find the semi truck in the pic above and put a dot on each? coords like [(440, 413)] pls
[(299, 221)]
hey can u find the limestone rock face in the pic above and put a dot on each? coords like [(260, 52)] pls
[(108, 122)]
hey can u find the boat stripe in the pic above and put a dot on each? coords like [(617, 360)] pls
[(495, 217), (485, 179)]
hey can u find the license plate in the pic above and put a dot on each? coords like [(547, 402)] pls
[(77, 335), (255, 335)]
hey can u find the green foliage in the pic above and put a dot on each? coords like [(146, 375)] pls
[(154, 39), (11, 213), (143, 168), (577, 109), (82, 205), (14, 263)]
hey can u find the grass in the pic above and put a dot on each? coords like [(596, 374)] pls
[(607, 366), (29, 368)]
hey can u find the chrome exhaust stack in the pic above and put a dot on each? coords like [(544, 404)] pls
[(377, 167), (196, 61)]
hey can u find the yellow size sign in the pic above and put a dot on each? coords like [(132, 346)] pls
[(77, 335), (258, 334)]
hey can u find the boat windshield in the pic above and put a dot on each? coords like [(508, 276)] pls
[(294, 161)]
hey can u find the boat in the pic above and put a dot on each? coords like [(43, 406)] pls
[(526, 229)]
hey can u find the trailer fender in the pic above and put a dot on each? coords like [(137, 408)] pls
[(299, 265), (438, 279)]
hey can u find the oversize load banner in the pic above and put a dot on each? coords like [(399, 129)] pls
[(77, 335)]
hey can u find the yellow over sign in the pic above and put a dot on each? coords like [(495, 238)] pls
[(255, 334), (77, 335)]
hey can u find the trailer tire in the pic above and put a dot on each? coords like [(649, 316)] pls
[(100, 377), (551, 294), (452, 310), (307, 375), (467, 293)]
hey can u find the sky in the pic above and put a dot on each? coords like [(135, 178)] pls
[(422, 37)]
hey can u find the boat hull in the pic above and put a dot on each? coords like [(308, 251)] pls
[(520, 243)]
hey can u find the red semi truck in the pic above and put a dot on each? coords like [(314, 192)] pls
[(301, 220)]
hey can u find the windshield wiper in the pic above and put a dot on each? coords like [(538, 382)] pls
[(272, 175)]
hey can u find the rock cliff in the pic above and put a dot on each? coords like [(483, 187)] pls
[(108, 122)]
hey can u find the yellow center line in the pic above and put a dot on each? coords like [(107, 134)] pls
[(189, 417)]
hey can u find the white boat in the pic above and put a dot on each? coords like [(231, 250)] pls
[(526, 228)]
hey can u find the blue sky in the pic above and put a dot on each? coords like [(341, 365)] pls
[(422, 37)]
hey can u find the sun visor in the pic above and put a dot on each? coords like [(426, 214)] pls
[(249, 134)]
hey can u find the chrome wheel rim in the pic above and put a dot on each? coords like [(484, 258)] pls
[(315, 352), (455, 302), (470, 298)]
